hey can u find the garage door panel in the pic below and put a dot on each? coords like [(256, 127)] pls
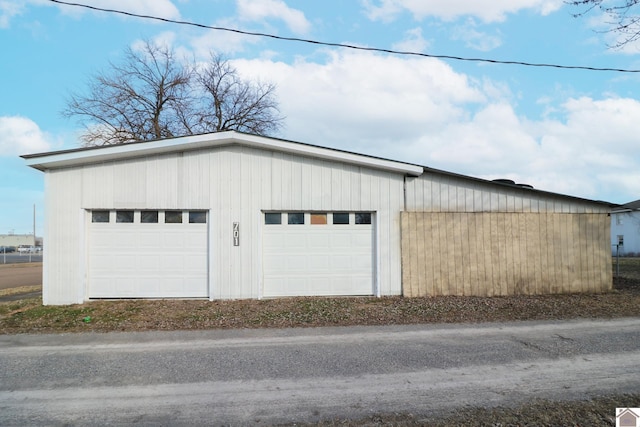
[(318, 259), (147, 260)]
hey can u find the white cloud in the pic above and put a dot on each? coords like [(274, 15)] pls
[(413, 41), (486, 10), (259, 10), (9, 9), (475, 39), (21, 135), (422, 111)]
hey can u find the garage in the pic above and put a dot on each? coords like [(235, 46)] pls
[(318, 253), (147, 254), (236, 216)]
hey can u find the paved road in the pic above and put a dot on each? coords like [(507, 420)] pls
[(262, 377)]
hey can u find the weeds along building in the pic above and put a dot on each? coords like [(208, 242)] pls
[(234, 216)]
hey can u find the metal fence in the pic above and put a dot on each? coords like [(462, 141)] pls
[(19, 257), (625, 266)]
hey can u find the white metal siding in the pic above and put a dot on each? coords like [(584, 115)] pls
[(434, 192), (64, 259), (235, 183)]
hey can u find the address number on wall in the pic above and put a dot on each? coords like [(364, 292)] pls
[(236, 234)]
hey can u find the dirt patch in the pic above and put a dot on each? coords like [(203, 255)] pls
[(18, 275)]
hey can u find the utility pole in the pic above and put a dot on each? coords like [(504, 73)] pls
[(34, 225)]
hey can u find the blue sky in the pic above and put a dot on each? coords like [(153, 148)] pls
[(569, 131)]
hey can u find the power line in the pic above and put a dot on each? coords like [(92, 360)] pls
[(347, 46)]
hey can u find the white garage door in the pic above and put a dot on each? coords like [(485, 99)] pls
[(147, 254), (324, 254)]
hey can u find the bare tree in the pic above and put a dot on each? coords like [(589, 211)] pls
[(228, 102), (152, 95), (622, 14)]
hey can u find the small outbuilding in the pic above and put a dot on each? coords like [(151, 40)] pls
[(235, 216)]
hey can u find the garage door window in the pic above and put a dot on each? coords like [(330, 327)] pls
[(318, 218), (149, 217), (295, 218), (197, 217), (173, 217), (124, 216), (100, 216), (273, 218), (341, 218), (363, 218)]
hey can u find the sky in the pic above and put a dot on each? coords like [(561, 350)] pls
[(569, 131)]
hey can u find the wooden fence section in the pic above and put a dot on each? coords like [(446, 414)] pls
[(487, 253)]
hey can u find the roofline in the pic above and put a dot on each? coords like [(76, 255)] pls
[(87, 155), (518, 187), (99, 154)]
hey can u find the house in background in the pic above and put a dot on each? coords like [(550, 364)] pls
[(625, 229), (230, 216)]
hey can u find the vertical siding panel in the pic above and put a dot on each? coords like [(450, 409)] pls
[(436, 191), (276, 179), (509, 255), (430, 251), (407, 281), (437, 225), (456, 258), (555, 258), (581, 279), (414, 238), (336, 187), (545, 242), (535, 249), (479, 286), (294, 179), (306, 184), (325, 204), (472, 252)]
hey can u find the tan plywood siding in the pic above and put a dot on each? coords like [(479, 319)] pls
[(487, 254)]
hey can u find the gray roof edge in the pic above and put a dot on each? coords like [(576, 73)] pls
[(236, 137)]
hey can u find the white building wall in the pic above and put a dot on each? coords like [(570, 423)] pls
[(433, 192), (626, 224), (63, 261), (235, 184)]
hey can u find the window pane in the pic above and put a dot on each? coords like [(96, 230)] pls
[(319, 218), (124, 216), (149, 217), (273, 218), (173, 217), (341, 218), (99, 216), (197, 217), (363, 218), (296, 218)]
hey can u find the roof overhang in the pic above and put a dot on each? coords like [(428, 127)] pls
[(84, 156)]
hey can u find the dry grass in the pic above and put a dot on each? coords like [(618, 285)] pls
[(30, 316)]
